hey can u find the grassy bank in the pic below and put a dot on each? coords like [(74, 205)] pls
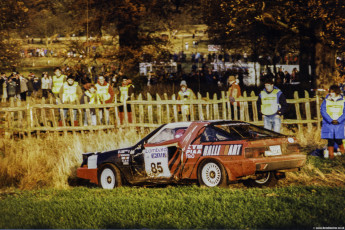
[(50, 161), (174, 207)]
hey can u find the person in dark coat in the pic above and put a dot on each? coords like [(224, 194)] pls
[(333, 114)]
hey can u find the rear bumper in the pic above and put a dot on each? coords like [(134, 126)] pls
[(285, 162), (88, 174)]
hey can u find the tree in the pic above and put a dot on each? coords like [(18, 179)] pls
[(12, 17), (318, 25)]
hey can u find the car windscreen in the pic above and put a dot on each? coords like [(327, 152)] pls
[(229, 132), (167, 134)]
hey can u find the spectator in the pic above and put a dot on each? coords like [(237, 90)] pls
[(36, 85), (2, 84), (70, 93), (272, 105), (185, 94), (105, 94), (45, 85), (11, 88), (90, 97), (234, 90), (126, 90), (23, 87), (57, 81), (333, 114), (30, 83)]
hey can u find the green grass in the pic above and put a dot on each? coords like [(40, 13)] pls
[(174, 207)]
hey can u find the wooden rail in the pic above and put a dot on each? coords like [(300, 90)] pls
[(48, 116)]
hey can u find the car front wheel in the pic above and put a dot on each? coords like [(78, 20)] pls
[(109, 177), (212, 174)]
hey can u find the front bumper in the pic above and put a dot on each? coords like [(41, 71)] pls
[(88, 174)]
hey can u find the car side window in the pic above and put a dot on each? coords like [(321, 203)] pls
[(212, 134)]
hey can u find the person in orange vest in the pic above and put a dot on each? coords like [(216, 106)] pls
[(58, 80), (70, 93), (105, 94), (333, 114), (234, 90), (185, 94), (126, 90)]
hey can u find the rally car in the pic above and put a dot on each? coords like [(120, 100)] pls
[(212, 153)]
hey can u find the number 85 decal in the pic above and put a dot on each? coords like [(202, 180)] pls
[(156, 167)]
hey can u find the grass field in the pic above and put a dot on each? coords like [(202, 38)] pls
[(35, 191), (186, 207)]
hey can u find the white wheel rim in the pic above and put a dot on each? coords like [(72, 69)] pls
[(263, 180), (107, 179), (211, 174)]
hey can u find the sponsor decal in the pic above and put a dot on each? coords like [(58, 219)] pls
[(125, 159), (211, 150), (235, 150), (192, 150)]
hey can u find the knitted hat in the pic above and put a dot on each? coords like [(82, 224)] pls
[(183, 83)]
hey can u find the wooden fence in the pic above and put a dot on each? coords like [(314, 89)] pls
[(48, 116)]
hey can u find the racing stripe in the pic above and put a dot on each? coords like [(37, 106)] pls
[(173, 159)]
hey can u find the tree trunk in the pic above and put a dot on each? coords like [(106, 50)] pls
[(324, 65)]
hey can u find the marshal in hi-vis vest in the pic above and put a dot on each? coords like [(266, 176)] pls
[(57, 83), (69, 93), (103, 92), (335, 108), (124, 92), (269, 102)]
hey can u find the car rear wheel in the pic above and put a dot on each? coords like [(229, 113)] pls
[(212, 174), (109, 177), (266, 179)]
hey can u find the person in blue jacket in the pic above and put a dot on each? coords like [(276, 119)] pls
[(333, 114)]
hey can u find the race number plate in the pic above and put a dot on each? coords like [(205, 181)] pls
[(274, 151), (156, 162)]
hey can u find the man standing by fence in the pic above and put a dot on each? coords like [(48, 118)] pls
[(105, 94), (185, 94), (58, 80), (272, 105), (70, 93), (126, 90)]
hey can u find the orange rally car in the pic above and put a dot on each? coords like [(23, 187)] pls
[(212, 153)]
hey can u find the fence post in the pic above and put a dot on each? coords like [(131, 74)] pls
[(149, 108), (159, 109), (116, 109), (228, 103), (254, 108), (224, 100), (200, 110), (208, 107), (215, 107), (54, 123), (141, 111), (173, 97), (298, 112), (318, 112), (307, 110), (245, 108), (134, 117), (167, 108)]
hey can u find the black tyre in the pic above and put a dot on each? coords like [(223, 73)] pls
[(267, 179), (211, 174), (109, 177)]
